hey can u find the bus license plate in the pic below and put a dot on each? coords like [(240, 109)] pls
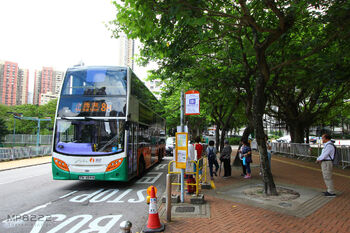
[(86, 177)]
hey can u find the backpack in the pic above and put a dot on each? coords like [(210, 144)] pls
[(337, 156), (211, 154)]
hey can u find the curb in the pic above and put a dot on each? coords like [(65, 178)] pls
[(31, 165)]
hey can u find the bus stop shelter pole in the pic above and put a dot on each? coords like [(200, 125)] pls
[(182, 130)]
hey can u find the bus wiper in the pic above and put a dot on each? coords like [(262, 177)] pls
[(109, 143)]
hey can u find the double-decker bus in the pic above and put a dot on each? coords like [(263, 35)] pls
[(106, 126)]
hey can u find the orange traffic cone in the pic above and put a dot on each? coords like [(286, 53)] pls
[(154, 224)]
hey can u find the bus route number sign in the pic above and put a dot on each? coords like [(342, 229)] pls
[(92, 106)]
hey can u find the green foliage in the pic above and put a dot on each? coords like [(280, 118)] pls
[(3, 129), (221, 48), (29, 110), (234, 140)]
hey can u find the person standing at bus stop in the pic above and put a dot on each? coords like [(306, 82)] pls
[(247, 158), (211, 153), (199, 150), (326, 160), (226, 159)]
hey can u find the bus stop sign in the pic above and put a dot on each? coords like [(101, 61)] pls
[(192, 103)]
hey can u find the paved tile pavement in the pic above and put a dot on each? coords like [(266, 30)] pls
[(228, 216), (6, 165)]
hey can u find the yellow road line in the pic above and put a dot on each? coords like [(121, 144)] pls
[(212, 184), (310, 168)]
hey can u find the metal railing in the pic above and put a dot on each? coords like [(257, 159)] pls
[(23, 152), (199, 177), (27, 139), (305, 150)]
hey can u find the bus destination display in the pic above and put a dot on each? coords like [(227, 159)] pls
[(91, 106)]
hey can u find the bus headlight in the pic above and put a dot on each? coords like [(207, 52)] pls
[(62, 165), (114, 164)]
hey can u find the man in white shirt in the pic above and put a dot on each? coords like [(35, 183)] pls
[(325, 159)]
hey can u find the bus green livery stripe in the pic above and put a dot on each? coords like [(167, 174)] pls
[(119, 174)]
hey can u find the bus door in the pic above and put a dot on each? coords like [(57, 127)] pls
[(154, 148), (132, 149)]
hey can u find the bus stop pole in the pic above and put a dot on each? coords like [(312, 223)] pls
[(182, 130)]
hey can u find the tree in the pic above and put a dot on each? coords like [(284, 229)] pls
[(3, 129), (177, 32)]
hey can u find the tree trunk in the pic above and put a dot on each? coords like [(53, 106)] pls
[(297, 132), (247, 132), (222, 138), (259, 107), (217, 137)]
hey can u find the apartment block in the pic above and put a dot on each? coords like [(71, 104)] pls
[(22, 86), (127, 52), (46, 81), (8, 82)]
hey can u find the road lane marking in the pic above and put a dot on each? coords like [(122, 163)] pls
[(94, 225), (11, 222), (85, 196), (98, 198), (103, 195), (140, 196), (118, 199), (149, 178), (160, 166), (68, 194), (85, 218)]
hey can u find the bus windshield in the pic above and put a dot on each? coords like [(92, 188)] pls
[(95, 81), (89, 136)]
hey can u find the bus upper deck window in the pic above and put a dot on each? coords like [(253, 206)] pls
[(96, 76)]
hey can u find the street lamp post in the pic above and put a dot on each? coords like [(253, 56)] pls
[(38, 131), (18, 116)]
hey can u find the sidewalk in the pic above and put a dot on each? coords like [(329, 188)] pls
[(230, 216), (7, 165)]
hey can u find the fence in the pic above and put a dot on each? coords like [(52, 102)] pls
[(23, 152), (27, 139), (305, 150)]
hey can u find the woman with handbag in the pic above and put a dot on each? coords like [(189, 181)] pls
[(247, 158)]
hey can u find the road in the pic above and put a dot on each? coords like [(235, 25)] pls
[(31, 201)]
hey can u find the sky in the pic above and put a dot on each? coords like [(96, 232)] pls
[(58, 34)]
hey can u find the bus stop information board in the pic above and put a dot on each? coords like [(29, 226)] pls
[(192, 103), (181, 149)]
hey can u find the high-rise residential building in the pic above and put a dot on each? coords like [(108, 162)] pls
[(127, 52), (22, 86), (47, 80), (13, 84), (46, 97), (8, 82), (57, 82)]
